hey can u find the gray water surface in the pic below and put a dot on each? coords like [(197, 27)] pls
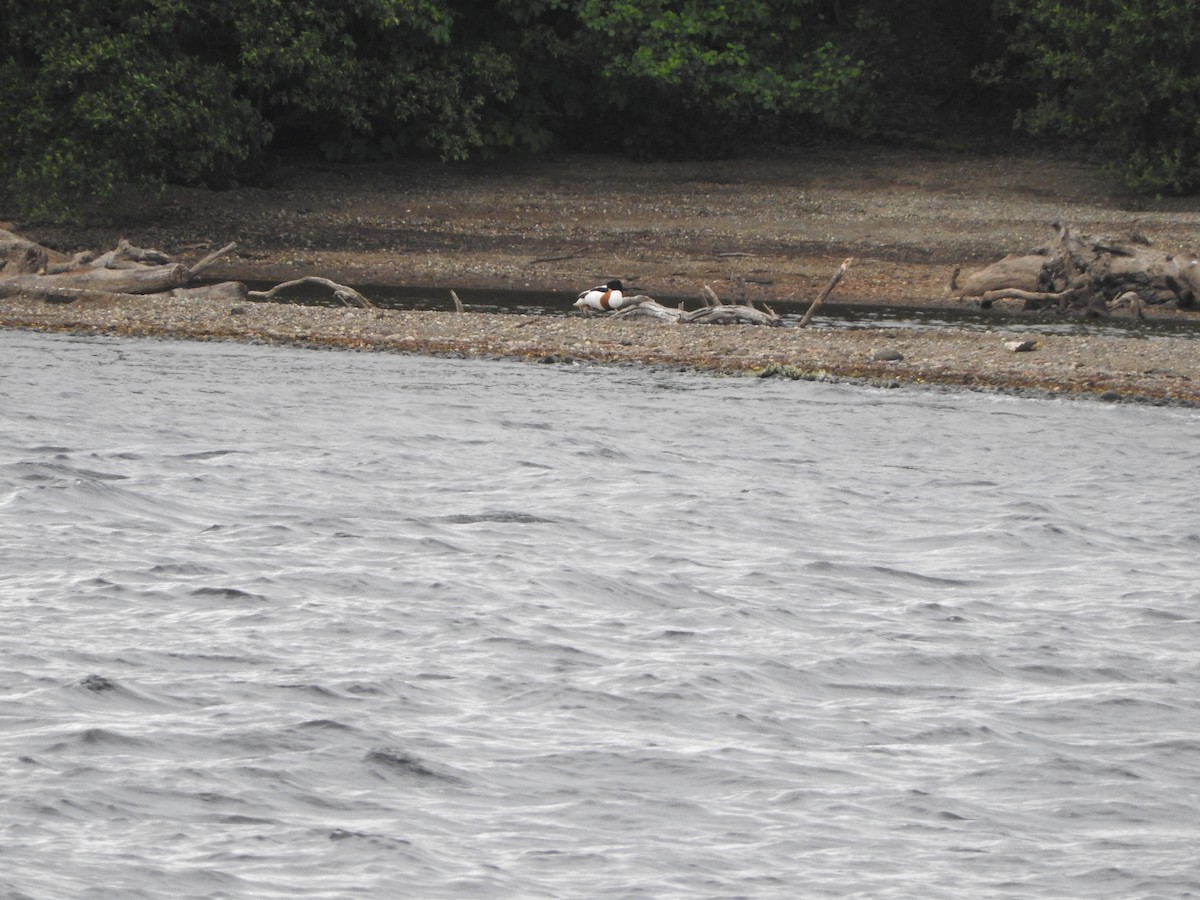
[(286, 623)]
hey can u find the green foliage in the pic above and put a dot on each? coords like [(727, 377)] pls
[(1121, 74), (921, 54), (555, 84), (94, 99), (689, 77), (362, 73), (157, 91)]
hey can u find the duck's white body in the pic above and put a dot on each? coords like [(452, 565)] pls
[(604, 297)]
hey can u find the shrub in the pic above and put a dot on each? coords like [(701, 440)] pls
[(1123, 75), (690, 78), (157, 91)]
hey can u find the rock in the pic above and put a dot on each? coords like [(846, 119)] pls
[(1020, 346), (97, 683)]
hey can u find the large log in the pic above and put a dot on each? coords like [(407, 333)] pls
[(1084, 271), (1014, 272), (140, 280), (14, 247), (10, 287), (127, 272)]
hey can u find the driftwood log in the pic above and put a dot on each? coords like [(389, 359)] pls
[(128, 272), (131, 273), (1082, 272), (647, 309), (347, 295), (715, 312)]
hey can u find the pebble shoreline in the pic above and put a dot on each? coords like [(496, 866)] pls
[(771, 227), (1157, 370)]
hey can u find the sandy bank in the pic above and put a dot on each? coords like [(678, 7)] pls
[(772, 228), (1164, 369)]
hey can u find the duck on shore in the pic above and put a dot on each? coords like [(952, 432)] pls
[(604, 297)]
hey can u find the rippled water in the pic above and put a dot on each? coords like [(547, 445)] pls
[(284, 623)]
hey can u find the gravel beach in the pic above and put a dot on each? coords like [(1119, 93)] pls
[(770, 228)]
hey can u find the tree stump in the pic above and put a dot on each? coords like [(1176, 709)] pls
[(1078, 271)]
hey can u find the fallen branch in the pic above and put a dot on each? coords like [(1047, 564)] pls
[(824, 295), (78, 261), (127, 256), (211, 258), (641, 308), (347, 295), (1059, 297), (730, 315), (546, 259), (1133, 300)]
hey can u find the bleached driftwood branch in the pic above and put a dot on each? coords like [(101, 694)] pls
[(128, 272), (714, 312), (824, 295), (347, 295)]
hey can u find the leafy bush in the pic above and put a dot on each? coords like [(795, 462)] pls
[(95, 96), (1121, 74), (156, 91), (921, 54), (689, 78)]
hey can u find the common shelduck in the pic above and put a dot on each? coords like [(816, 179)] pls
[(604, 297)]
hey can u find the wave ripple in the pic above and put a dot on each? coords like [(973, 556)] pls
[(285, 623)]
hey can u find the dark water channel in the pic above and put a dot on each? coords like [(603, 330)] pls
[(833, 315)]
